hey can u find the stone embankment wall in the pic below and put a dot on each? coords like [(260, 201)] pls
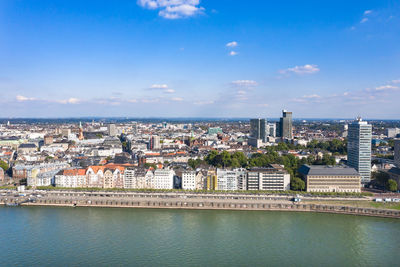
[(160, 203)]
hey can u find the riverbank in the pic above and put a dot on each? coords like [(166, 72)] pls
[(179, 200), (288, 207)]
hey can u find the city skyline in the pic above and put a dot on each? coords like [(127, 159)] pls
[(189, 58)]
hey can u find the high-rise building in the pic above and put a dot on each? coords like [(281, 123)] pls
[(272, 129), (359, 148), (259, 129), (397, 152), (285, 125), (154, 143), (112, 129)]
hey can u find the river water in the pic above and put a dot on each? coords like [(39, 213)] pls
[(63, 236)]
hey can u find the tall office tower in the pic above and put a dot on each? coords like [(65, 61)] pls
[(112, 129), (154, 143), (259, 129), (272, 129), (397, 152), (359, 148), (285, 125), (134, 127)]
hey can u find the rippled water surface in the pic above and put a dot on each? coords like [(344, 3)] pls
[(47, 236)]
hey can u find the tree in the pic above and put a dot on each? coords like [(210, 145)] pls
[(3, 165), (380, 178), (391, 185), (297, 184)]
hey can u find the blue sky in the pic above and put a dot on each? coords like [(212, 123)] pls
[(190, 58)]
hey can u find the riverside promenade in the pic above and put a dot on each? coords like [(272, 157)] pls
[(186, 200)]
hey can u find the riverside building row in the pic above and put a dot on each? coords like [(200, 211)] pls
[(271, 178)]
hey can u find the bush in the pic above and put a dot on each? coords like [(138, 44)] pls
[(391, 185)]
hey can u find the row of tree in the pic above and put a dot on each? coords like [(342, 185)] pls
[(334, 146), (240, 160)]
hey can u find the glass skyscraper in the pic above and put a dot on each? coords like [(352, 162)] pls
[(359, 148), (285, 125), (259, 129)]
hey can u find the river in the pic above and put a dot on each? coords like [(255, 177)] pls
[(64, 236)]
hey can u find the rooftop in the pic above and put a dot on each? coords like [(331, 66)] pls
[(327, 170)]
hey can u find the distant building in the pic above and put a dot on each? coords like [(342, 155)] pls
[(397, 152), (285, 125), (154, 143), (48, 139), (321, 178), (214, 130), (80, 135), (259, 129), (254, 142), (1, 175), (272, 129), (65, 132), (112, 130), (359, 148), (274, 178), (27, 148), (392, 132)]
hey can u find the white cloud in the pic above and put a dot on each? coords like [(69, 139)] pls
[(150, 100), (244, 83), (312, 96), (73, 100), (159, 86), (177, 99), (232, 44), (233, 53), (364, 20), (386, 87), (395, 81), (209, 102), (173, 9), (163, 87), (169, 91), (21, 98), (306, 69), (366, 12)]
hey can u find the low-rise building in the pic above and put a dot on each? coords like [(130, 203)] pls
[(164, 179), (321, 178), (274, 178), (27, 148), (192, 180), (1, 175), (71, 178), (227, 180)]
